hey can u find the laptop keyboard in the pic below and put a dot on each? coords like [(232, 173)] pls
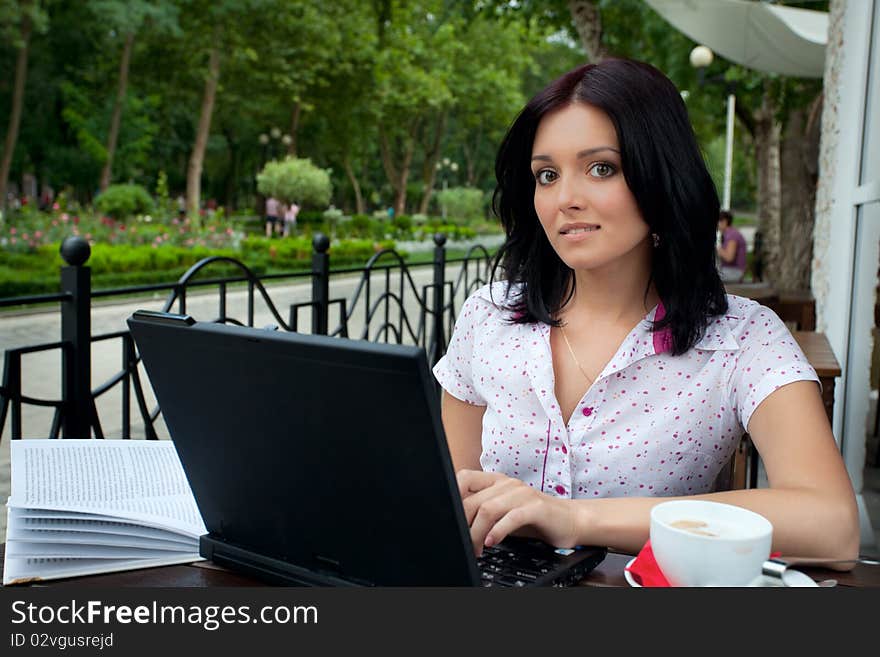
[(499, 566)]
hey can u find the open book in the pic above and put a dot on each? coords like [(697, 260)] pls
[(80, 507)]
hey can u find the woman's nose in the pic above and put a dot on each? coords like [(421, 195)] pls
[(570, 193)]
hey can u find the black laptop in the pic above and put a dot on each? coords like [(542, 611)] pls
[(322, 461)]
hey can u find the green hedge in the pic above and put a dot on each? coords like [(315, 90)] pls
[(122, 265)]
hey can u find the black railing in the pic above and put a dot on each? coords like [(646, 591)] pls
[(400, 311)]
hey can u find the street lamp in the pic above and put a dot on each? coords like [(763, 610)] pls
[(701, 57), (444, 166), (269, 142)]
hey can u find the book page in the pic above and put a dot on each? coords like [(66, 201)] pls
[(31, 519), (26, 550), (27, 571), (136, 480), (97, 538)]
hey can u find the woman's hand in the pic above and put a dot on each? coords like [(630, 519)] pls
[(497, 506)]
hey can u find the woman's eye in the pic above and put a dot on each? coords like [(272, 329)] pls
[(601, 170), (545, 176)]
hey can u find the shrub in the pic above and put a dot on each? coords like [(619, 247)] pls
[(462, 203), (124, 201), (295, 180)]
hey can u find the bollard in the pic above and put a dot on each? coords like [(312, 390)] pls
[(438, 340), (320, 284), (76, 332)]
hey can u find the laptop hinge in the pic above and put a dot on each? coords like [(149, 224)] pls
[(268, 568)]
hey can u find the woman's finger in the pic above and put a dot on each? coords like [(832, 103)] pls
[(473, 481)]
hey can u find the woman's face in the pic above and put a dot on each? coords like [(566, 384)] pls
[(582, 200)]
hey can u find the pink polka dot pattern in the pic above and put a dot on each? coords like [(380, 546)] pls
[(651, 425)]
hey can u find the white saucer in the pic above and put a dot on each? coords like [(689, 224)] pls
[(792, 578), (629, 578)]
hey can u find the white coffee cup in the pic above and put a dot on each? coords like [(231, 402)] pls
[(702, 543)]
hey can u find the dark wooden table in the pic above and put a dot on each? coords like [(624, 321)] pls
[(820, 355), (760, 292), (204, 574), (797, 308)]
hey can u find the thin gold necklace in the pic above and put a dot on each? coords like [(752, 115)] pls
[(573, 357)]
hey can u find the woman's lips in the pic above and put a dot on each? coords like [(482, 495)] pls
[(578, 233)]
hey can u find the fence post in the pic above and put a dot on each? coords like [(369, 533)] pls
[(438, 341), (76, 331), (320, 283)]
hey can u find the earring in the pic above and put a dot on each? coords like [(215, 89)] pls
[(656, 238)]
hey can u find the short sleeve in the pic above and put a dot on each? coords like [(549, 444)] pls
[(769, 358), (454, 371)]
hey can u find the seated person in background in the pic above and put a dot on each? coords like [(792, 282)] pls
[(606, 370), (732, 250)]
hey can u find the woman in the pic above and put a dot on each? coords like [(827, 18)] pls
[(607, 371)]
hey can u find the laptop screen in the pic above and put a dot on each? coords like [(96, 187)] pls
[(322, 452)]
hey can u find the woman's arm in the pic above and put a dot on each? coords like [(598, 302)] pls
[(810, 499), (463, 424)]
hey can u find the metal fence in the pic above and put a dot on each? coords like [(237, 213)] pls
[(386, 305)]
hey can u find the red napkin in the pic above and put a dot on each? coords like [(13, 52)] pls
[(645, 571)]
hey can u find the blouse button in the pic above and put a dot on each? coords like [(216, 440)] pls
[(588, 411)]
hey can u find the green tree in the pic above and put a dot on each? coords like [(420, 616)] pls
[(295, 180), (502, 53), (214, 29), (417, 47), (343, 122), (126, 18), (19, 19)]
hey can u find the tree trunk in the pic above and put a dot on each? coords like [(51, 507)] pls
[(360, 208), (106, 172), (470, 150), (429, 167), (799, 177), (17, 103), (588, 22), (231, 183), (294, 126), (767, 153), (194, 170), (397, 176)]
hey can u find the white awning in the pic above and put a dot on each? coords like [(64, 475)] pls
[(769, 38)]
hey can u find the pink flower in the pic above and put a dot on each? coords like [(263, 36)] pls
[(55, 206), (38, 234), (12, 231), (54, 222), (25, 236), (64, 216)]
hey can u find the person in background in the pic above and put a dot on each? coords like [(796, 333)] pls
[(605, 370), (290, 213), (731, 250), (273, 208)]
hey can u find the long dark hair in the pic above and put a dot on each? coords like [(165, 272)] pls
[(663, 167)]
